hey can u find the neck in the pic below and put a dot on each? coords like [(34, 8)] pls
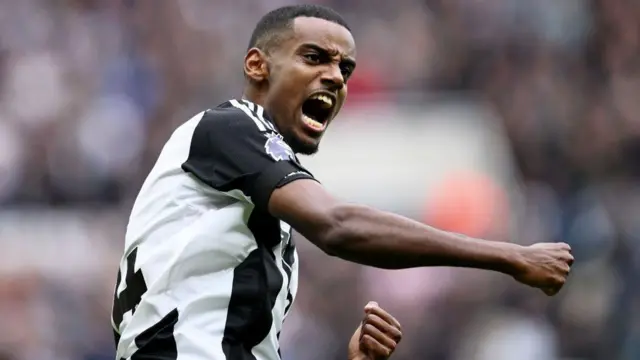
[(251, 94)]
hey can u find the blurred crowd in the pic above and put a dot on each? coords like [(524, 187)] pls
[(90, 90)]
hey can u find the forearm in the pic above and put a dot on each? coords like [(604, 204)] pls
[(376, 238)]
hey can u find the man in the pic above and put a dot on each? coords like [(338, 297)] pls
[(210, 269)]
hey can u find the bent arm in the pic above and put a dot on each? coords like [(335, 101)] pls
[(376, 238)]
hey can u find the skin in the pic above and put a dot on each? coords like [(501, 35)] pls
[(281, 81), (377, 336)]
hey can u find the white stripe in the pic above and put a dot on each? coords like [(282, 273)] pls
[(246, 110), (260, 111)]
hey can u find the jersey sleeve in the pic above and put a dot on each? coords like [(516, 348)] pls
[(234, 150)]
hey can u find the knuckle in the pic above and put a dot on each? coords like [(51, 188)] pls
[(368, 328), (398, 337), (390, 343)]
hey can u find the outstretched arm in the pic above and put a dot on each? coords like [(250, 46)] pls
[(381, 239), (236, 151)]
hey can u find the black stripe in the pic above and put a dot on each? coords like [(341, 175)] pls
[(158, 341), (116, 337), (256, 284), (279, 352), (228, 153), (116, 311)]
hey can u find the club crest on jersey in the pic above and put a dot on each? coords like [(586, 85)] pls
[(278, 149)]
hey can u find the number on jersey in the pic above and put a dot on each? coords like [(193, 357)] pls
[(134, 288)]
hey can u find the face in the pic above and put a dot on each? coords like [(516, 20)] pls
[(303, 81)]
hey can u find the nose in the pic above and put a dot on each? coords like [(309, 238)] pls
[(332, 78)]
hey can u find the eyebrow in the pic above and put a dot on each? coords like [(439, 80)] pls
[(345, 59)]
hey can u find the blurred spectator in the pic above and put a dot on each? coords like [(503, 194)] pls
[(90, 90)]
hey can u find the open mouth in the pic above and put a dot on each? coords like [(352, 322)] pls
[(317, 110)]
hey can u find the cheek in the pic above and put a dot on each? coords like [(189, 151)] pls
[(342, 98), (295, 83), (301, 74), (288, 78)]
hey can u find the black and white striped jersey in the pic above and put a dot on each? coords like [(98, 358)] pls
[(207, 272)]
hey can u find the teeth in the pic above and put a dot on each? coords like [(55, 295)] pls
[(327, 102), (314, 124)]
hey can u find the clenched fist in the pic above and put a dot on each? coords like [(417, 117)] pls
[(377, 336), (545, 266)]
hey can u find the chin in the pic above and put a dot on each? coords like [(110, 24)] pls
[(308, 150), (304, 145)]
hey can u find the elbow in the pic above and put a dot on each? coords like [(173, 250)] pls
[(337, 234)]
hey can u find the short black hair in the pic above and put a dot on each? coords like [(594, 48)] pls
[(275, 22)]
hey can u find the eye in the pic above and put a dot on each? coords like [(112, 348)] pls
[(312, 58), (346, 71)]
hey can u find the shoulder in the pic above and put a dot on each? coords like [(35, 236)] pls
[(239, 133)]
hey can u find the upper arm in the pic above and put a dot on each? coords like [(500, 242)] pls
[(308, 208), (237, 149)]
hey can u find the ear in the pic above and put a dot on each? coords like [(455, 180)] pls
[(256, 67)]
